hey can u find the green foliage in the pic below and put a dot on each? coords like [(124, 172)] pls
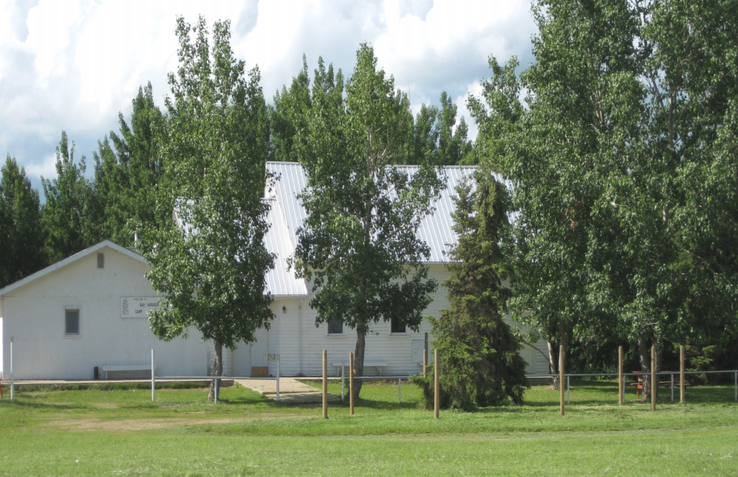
[(66, 213), (358, 245), (624, 179), (290, 111), (434, 139), (210, 267), (21, 231), (289, 117), (128, 168), (478, 353)]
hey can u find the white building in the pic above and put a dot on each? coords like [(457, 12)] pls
[(84, 312), (72, 316)]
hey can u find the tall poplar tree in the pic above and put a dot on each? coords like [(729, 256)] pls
[(66, 213), (358, 245), (210, 267), (128, 168), (623, 174), (21, 232)]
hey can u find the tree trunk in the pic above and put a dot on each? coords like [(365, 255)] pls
[(359, 362), (217, 370), (553, 362), (644, 354)]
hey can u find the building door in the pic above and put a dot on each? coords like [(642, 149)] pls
[(259, 348), (242, 360)]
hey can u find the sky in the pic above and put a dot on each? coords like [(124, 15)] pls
[(74, 65)]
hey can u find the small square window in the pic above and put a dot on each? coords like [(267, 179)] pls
[(100, 260), (335, 326), (397, 327), (71, 322)]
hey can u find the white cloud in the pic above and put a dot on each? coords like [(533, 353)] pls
[(473, 89), (74, 65), (46, 169), (51, 25)]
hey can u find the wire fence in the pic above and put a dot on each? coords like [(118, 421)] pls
[(671, 382)]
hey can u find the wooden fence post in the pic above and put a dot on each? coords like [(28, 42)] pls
[(436, 386), (561, 379), (351, 383), (621, 383), (325, 384), (654, 378), (681, 374)]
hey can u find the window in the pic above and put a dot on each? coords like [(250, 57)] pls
[(71, 322), (100, 260), (397, 327), (335, 326)]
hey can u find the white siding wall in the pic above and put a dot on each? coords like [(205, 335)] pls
[(381, 345), (34, 315), (284, 337)]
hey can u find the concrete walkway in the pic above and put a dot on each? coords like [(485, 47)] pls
[(290, 390)]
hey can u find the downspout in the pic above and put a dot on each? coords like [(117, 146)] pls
[(299, 334)]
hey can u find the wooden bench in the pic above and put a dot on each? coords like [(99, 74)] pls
[(127, 371), (367, 364)]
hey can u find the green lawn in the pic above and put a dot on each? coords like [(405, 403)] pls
[(121, 432)]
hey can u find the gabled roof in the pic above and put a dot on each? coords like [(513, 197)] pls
[(68, 260), (436, 229)]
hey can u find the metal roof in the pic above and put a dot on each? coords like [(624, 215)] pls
[(436, 229), (286, 216), (281, 281)]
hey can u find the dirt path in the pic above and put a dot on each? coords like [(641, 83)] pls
[(124, 425)]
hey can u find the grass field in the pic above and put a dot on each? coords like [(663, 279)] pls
[(121, 432)]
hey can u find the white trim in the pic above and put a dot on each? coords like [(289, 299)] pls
[(77, 256)]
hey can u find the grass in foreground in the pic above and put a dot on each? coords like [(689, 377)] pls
[(121, 432)]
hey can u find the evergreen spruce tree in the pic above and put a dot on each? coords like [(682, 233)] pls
[(478, 352)]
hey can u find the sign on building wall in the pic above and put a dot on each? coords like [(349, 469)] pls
[(138, 306)]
